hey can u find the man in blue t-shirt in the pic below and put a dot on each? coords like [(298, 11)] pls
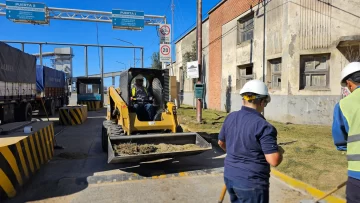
[(251, 146)]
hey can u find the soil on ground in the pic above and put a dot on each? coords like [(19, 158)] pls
[(135, 149)]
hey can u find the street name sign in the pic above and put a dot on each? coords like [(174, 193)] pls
[(128, 20), (26, 12)]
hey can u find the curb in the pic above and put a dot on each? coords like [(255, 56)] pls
[(305, 187), (297, 183), (100, 179)]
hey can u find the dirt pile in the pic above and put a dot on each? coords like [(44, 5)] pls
[(134, 149)]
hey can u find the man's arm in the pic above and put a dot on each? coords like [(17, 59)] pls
[(222, 145), (275, 159), (268, 141), (149, 94), (340, 129), (221, 137)]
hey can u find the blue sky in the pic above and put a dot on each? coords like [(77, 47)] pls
[(86, 32)]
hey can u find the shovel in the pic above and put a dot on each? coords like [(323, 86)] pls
[(222, 195), (326, 195)]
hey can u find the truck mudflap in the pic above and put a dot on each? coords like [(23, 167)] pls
[(168, 138)]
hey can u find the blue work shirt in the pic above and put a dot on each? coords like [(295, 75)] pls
[(340, 129), (248, 137)]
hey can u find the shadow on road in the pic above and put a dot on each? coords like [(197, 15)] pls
[(208, 160), (82, 158)]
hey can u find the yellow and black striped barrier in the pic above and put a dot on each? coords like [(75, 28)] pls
[(91, 105), (72, 115), (23, 154)]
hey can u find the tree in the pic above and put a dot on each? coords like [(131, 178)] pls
[(189, 56), (156, 64)]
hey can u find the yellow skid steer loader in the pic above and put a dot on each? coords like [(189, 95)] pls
[(128, 123)]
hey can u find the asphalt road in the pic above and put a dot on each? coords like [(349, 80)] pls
[(80, 173)]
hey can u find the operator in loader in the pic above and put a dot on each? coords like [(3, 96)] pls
[(143, 96), (251, 146), (346, 128)]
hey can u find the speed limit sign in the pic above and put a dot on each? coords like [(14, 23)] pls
[(165, 53)]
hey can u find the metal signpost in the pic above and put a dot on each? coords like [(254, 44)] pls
[(165, 53), (165, 46), (128, 20), (26, 12)]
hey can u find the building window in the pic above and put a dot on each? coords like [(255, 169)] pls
[(314, 70), (246, 28), (275, 72), (243, 75)]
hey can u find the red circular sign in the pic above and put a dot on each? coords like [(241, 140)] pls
[(165, 30), (165, 49)]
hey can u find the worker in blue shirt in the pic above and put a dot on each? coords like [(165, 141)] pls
[(251, 147), (346, 128)]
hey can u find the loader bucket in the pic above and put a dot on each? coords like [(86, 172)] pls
[(168, 138)]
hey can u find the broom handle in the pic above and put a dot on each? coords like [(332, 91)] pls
[(332, 191), (222, 194)]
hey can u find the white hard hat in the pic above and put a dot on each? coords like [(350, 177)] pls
[(139, 77), (255, 86), (348, 70)]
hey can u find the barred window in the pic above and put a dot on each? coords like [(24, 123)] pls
[(314, 71), (244, 74), (245, 28), (275, 72)]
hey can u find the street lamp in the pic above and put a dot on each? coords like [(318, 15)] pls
[(128, 43)]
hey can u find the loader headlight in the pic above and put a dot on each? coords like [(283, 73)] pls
[(174, 110)]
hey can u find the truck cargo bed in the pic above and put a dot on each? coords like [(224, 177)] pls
[(168, 138)]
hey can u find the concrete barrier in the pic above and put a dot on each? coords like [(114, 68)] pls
[(72, 115), (91, 105), (23, 154)]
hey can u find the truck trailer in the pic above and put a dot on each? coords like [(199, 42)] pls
[(51, 90), (17, 84), (25, 87)]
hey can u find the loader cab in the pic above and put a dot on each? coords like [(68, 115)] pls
[(154, 82)]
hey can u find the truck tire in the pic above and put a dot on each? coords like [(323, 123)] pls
[(27, 112), (51, 108)]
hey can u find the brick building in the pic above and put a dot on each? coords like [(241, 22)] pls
[(307, 43)]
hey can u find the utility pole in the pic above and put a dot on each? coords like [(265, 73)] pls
[(199, 51), (264, 43), (172, 35)]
